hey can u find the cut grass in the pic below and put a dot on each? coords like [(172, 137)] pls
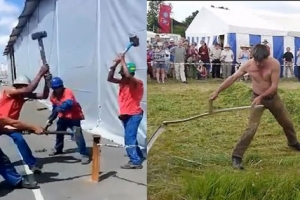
[(272, 168)]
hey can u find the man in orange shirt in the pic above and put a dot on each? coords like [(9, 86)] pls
[(69, 113), (11, 103), (131, 91), (7, 170)]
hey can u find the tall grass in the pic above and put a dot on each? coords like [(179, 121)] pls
[(271, 167)]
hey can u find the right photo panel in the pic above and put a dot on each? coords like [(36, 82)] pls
[(223, 96)]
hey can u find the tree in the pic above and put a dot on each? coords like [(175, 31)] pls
[(152, 15), (190, 18)]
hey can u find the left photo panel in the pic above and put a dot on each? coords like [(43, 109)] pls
[(73, 99)]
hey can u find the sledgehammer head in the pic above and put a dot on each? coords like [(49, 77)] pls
[(38, 35), (134, 40)]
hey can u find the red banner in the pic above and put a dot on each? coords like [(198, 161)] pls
[(164, 18)]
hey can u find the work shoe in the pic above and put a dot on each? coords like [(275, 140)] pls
[(85, 160), (55, 153), (237, 163), (130, 165), (295, 146), (36, 169), (27, 184)]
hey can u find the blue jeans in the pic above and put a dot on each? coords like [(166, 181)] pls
[(62, 125), (8, 171), (23, 148), (131, 125)]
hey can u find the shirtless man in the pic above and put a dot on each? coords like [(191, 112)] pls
[(264, 72)]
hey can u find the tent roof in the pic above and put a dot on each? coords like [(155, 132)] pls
[(215, 21), (287, 21)]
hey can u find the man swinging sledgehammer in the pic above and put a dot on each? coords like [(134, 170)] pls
[(11, 104), (131, 91), (69, 113)]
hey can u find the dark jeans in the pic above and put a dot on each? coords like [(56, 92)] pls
[(23, 148), (216, 68), (8, 171), (63, 125)]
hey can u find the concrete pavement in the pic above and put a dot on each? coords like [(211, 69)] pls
[(64, 177)]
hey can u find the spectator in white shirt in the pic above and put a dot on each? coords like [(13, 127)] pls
[(227, 58)]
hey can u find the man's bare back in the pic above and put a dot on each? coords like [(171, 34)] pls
[(261, 75)]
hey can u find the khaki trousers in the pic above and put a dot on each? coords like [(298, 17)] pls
[(275, 105)]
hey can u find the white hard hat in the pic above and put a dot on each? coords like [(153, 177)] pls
[(21, 80)]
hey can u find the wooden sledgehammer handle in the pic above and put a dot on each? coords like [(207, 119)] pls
[(210, 106)]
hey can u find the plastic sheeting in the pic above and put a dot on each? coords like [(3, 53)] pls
[(83, 39)]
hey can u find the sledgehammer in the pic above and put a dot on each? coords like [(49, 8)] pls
[(134, 41), (39, 37)]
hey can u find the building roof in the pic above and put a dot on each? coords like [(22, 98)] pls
[(29, 8)]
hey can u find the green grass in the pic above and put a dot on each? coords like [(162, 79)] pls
[(272, 168)]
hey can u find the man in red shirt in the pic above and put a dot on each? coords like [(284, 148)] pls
[(11, 103), (69, 113), (131, 91), (7, 170)]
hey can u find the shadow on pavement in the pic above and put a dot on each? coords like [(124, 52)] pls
[(49, 177), (5, 189), (48, 160), (102, 176), (130, 181)]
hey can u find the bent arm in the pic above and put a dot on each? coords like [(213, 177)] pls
[(43, 95), (53, 114), (275, 76), (29, 89), (4, 121), (126, 72), (111, 73), (231, 79)]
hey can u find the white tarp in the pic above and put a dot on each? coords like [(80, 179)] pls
[(213, 21), (83, 39)]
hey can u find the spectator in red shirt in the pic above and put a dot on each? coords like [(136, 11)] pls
[(204, 56)]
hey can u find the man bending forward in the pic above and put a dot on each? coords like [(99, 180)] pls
[(264, 72)]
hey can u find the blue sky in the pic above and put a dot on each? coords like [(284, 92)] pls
[(9, 12)]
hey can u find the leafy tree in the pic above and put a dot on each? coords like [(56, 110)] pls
[(152, 15), (190, 18)]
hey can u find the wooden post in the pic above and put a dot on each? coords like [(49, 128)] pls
[(96, 158), (210, 107)]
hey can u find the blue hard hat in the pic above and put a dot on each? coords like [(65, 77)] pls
[(56, 82)]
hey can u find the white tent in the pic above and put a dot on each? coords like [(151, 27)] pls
[(243, 27), (214, 21), (290, 22)]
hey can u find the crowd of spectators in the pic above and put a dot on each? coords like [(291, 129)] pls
[(182, 60)]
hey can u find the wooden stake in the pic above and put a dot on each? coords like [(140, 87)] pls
[(96, 158)]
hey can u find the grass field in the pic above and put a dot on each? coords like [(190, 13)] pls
[(272, 169)]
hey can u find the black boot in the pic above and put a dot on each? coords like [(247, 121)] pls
[(36, 169), (295, 146), (237, 163)]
